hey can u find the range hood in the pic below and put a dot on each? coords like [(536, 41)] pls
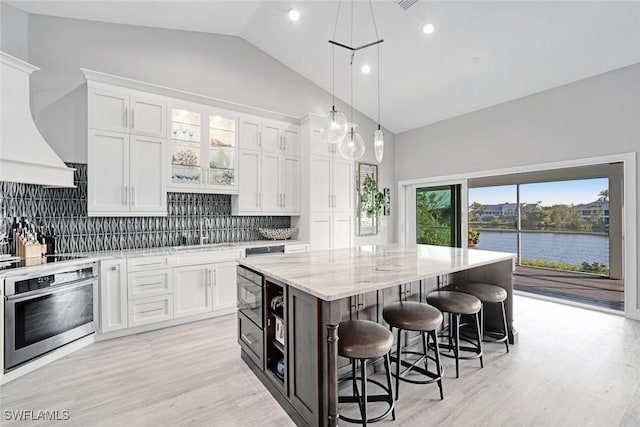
[(24, 154)]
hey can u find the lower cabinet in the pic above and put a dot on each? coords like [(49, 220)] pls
[(150, 310), (113, 295), (193, 287)]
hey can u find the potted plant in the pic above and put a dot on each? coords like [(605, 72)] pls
[(474, 238), (372, 200)]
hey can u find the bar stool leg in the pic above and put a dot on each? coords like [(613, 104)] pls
[(398, 358), (425, 340), (479, 339), (434, 336), (506, 330), (456, 338), (387, 367), (363, 410), (353, 376)]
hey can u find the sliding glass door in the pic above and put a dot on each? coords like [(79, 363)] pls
[(438, 216)]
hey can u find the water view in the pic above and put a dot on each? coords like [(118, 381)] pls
[(570, 248)]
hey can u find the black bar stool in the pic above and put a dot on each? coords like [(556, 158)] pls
[(364, 340), (419, 317), (487, 294), (456, 304)]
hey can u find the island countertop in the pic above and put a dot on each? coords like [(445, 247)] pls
[(334, 274)]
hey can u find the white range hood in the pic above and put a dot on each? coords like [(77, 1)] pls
[(24, 154)]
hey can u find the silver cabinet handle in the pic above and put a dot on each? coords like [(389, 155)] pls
[(260, 199), (126, 117), (335, 201), (113, 268), (133, 119), (126, 195), (131, 195), (150, 284), (259, 139), (284, 200), (284, 142), (212, 274), (248, 339), (151, 311)]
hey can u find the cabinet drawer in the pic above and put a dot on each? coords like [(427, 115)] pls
[(149, 283), (208, 257), (149, 263), (150, 310), (250, 339), (294, 249)]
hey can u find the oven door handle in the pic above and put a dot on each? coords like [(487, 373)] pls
[(48, 291)]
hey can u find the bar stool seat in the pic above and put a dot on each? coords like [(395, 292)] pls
[(454, 302), (457, 304), (423, 318), (487, 294), (361, 339), (364, 340)]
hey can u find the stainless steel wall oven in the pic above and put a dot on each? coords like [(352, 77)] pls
[(47, 309)]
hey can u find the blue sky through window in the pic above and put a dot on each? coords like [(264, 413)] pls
[(550, 193)]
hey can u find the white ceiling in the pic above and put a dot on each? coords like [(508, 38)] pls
[(519, 47)]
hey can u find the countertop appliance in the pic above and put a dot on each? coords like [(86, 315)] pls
[(264, 250), (46, 308)]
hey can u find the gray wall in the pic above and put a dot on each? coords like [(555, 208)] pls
[(593, 117), (14, 34), (219, 66)]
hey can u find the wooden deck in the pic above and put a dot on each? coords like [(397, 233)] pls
[(572, 286)]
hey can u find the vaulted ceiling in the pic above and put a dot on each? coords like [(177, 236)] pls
[(481, 53)]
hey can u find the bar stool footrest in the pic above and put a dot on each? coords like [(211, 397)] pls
[(387, 398)]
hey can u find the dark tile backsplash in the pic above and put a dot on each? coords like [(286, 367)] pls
[(64, 210)]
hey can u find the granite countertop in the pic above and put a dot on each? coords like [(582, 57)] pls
[(340, 273), (87, 257)]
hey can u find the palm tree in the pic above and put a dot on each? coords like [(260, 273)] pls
[(603, 195)]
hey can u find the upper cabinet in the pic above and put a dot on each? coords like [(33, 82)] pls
[(269, 168), (203, 150), (126, 153), (126, 112)]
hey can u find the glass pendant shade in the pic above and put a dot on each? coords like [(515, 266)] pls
[(378, 144), (334, 127), (352, 146)]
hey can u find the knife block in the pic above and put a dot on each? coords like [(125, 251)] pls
[(30, 249)]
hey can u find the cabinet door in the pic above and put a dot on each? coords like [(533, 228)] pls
[(108, 110), (143, 284), (108, 173), (192, 290), (147, 175), (185, 149), (113, 295), (225, 292), (249, 133), (249, 181), (319, 146), (342, 183), (320, 231), (150, 310), (320, 197), (291, 140), (270, 195), (271, 137), (342, 231), (148, 116), (290, 184)]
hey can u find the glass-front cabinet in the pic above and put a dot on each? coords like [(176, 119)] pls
[(202, 153)]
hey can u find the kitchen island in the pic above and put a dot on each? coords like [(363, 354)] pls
[(290, 307)]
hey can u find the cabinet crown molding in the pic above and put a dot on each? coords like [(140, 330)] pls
[(97, 78)]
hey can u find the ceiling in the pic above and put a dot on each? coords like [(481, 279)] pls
[(481, 54)]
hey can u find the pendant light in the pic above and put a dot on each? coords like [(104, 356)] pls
[(351, 146), (335, 125)]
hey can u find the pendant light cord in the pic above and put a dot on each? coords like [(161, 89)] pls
[(375, 28), (333, 63), (351, 65)]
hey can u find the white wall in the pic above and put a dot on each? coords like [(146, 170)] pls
[(15, 27), (219, 66), (594, 117)]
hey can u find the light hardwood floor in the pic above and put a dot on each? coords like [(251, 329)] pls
[(572, 367)]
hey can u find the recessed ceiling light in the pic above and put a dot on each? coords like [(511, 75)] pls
[(366, 69), (293, 14), (428, 28)]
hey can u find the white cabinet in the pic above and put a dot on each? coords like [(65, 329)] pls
[(203, 149), (269, 136), (330, 189), (225, 289), (126, 152), (330, 230), (113, 295), (193, 290), (125, 111), (150, 283), (248, 200), (150, 310), (290, 186), (126, 175)]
